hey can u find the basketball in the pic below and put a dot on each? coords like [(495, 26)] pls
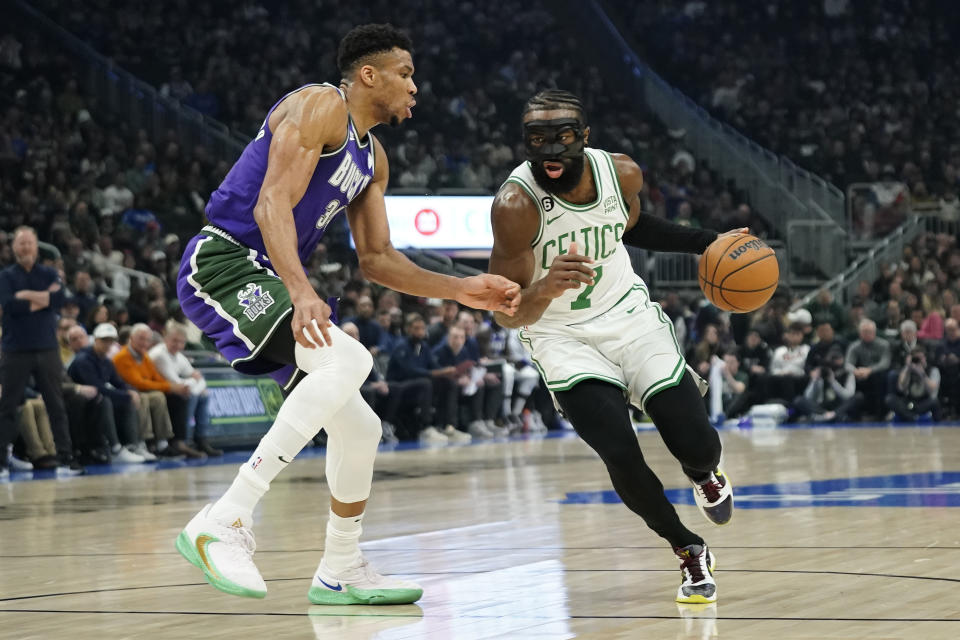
[(738, 272)]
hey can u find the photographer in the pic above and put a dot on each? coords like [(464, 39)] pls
[(917, 388), (830, 395)]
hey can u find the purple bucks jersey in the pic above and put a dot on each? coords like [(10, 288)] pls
[(340, 176)]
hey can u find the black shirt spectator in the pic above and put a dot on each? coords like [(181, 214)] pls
[(371, 333), (412, 359), (26, 326), (30, 294), (92, 369)]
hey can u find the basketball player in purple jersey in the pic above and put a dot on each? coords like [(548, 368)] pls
[(242, 281)]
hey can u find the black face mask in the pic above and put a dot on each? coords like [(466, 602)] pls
[(552, 148)]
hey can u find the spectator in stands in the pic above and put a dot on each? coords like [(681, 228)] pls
[(825, 309), (30, 295), (391, 327), (98, 314), (371, 334), (63, 328), (166, 401), (889, 326), (462, 411), (39, 448), (948, 362), (787, 376), (703, 353), (438, 330), (173, 365), (831, 395), (728, 387), (870, 358), (82, 293), (826, 340), (91, 366), (904, 345), (916, 391), (414, 360)]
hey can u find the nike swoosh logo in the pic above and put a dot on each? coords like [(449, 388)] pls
[(632, 310), (339, 586), (284, 461), (202, 541), (549, 220)]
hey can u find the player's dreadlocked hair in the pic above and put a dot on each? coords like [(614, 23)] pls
[(554, 99), (366, 40)]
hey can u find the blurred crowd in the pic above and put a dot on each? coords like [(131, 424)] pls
[(853, 90), (892, 353), (474, 71)]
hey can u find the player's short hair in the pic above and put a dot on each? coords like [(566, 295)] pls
[(554, 99), (368, 40)]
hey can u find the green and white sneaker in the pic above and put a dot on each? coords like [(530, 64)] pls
[(224, 553), (360, 584)]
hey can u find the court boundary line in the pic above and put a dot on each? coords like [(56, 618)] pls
[(474, 616), (458, 573), (412, 549)]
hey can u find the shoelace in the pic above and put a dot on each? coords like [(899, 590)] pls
[(240, 541), (693, 567), (710, 489)]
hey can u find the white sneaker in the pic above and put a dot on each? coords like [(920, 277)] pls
[(430, 435), (479, 430), (495, 431), (360, 584), (142, 451), (697, 585), (125, 456), (224, 554), (16, 464), (714, 497), (456, 436)]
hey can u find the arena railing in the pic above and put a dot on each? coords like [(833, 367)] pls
[(869, 265), (138, 103), (778, 189)]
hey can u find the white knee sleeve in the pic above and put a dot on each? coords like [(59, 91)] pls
[(334, 374), (349, 357), (353, 435)]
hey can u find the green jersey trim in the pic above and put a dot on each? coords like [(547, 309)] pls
[(599, 184), (616, 180)]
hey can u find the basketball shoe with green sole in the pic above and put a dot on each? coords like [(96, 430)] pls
[(360, 584), (224, 553)]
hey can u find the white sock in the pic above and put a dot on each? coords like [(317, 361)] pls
[(342, 547), (275, 451)]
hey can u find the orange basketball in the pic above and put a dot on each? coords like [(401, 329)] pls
[(738, 272)]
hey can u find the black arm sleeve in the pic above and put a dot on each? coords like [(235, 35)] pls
[(658, 234)]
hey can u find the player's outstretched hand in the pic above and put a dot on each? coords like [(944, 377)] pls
[(567, 272), (490, 292), (311, 319)]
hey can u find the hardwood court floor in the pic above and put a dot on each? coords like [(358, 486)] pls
[(515, 540)]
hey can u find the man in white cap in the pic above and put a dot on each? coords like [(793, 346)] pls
[(92, 366)]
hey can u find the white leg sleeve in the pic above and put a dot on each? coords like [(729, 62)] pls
[(352, 438), (334, 374)]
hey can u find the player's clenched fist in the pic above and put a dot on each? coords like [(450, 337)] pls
[(567, 271)]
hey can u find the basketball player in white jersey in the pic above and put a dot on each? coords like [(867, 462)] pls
[(560, 222)]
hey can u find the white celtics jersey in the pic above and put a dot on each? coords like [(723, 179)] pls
[(596, 227)]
